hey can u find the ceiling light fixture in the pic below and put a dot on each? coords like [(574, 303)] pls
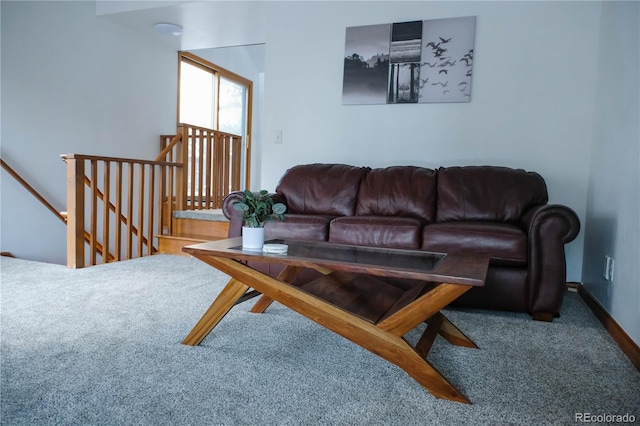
[(168, 29)]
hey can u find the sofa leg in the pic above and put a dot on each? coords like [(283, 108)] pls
[(543, 316)]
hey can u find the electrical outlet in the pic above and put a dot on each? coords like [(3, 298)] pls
[(609, 266)]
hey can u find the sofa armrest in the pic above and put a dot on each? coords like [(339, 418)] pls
[(234, 216), (549, 227)]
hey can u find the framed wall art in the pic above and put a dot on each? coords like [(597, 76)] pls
[(409, 62)]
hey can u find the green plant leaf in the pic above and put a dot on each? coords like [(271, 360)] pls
[(279, 208), (259, 208), (240, 206)]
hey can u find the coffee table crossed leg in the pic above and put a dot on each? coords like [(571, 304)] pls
[(384, 338)]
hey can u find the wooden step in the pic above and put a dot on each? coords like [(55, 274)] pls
[(200, 227), (192, 227), (172, 244)]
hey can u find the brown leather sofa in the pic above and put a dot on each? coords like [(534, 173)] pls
[(498, 211)]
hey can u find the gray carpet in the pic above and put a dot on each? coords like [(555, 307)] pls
[(101, 346)]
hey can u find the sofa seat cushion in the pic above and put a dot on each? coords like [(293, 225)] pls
[(376, 231), (505, 244), (299, 227)]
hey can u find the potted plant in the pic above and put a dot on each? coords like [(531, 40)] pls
[(257, 209)]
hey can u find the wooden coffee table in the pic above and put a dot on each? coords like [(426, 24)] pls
[(371, 296)]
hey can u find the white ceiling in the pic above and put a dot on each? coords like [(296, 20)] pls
[(207, 24)]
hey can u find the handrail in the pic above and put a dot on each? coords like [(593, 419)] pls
[(177, 138), (193, 126), (31, 190), (66, 157)]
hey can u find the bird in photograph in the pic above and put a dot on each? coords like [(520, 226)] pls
[(439, 52)]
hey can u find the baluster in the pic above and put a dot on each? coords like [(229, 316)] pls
[(140, 208), (199, 159), (237, 163), (130, 210), (227, 163), (106, 213), (208, 180), (118, 212), (93, 226), (164, 211), (171, 194), (218, 166), (151, 204), (192, 165)]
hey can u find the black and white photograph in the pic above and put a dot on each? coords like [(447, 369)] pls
[(427, 61), (447, 59), (404, 62), (366, 65)]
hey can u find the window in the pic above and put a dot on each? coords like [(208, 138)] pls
[(217, 99)]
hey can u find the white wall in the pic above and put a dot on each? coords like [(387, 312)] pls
[(613, 208), (72, 83), (532, 95)]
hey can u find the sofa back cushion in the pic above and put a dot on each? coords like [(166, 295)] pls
[(321, 189), (405, 191), (487, 193)]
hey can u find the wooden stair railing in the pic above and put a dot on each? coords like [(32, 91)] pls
[(196, 169), (112, 207), (32, 191), (60, 215), (131, 193), (212, 164)]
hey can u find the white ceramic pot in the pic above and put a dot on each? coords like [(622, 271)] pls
[(252, 238)]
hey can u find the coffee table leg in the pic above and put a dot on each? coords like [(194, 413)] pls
[(420, 369), (439, 324), (451, 333), (261, 305), (423, 347), (218, 309), (426, 306), (288, 274)]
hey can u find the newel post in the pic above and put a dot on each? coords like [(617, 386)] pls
[(75, 211)]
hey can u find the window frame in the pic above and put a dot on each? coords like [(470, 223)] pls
[(219, 72)]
